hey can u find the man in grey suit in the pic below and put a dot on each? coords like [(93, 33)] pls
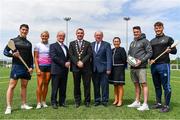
[(102, 60)]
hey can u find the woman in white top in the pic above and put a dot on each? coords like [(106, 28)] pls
[(43, 66)]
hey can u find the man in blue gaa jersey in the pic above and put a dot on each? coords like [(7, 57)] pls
[(160, 68)]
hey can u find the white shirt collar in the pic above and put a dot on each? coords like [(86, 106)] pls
[(63, 48), (80, 40), (60, 43), (99, 42)]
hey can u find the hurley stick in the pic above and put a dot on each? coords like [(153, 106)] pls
[(172, 46), (12, 46)]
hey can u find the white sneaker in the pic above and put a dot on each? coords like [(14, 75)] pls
[(26, 107), (135, 104), (44, 104), (38, 106), (8, 110), (143, 107)]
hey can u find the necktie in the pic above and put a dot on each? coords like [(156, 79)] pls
[(63, 48), (97, 47)]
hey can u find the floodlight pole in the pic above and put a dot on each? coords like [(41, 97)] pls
[(67, 19), (126, 19)]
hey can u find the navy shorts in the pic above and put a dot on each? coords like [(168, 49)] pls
[(45, 68), (19, 72)]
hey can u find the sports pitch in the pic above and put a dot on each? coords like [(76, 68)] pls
[(100, 112)]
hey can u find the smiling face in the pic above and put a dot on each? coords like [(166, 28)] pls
[(158, 30), (45, 37), (80, 34), (60, 37), (116, 42), (23, 31), (98, 36), (137, 33)]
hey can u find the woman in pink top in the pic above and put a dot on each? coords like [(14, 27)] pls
[(43, 67)]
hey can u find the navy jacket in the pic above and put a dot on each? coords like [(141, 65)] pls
[(102, 60), (58, 59)]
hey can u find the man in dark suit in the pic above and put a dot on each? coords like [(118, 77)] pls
[(102, 60), (59, 70), (80, 53)]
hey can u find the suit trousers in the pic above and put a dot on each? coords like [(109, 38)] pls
[(100, 80), (59, 82), (86, 77)]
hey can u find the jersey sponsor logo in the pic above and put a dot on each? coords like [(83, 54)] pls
[(162, 41), (165, 74)]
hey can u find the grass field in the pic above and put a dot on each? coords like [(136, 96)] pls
[(100, 112)]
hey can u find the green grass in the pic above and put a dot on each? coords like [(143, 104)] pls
[(100, 112)]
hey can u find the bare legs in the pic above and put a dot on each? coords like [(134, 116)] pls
[(42, 89), (118, 95)]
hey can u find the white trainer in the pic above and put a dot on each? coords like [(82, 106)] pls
[(38, 106), (44, 104), (26, 107), (135, 104), (8, 110), (143, 107)]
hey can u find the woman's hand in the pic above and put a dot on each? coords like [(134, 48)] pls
[(38, 72)]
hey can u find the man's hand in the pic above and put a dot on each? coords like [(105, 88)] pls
[(67, 64), (30, 71), (168, 50), (108, 72), (80, 64), (16, 54), (138, 62), (151, 62)]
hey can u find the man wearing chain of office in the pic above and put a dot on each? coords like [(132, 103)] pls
[(80, 52)]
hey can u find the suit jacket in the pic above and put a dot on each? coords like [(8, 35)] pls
[(58, 59), (102, 60), (85, 57)]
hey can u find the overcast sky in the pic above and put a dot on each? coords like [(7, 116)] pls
[(92, 15)]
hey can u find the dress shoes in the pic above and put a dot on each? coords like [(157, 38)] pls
[(54, 106), (62, 105), (97, 103), (87, 104), (77, 105), (105, 104)]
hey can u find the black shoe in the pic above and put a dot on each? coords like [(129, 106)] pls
[(87, 104), (165, 109), (77, 105), (54, 106), (157, 106), (96, 103), (105, 104), (62, 105)]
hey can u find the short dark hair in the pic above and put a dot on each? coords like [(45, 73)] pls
[(117, 38), (137, 27), (24, 25), (80, 29), (158, 24)]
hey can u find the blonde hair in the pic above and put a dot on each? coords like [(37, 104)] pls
[(46, 32)]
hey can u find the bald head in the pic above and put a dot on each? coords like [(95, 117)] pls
[(60, 36), (98, 35)]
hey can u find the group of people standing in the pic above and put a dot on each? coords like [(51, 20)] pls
[(87, 60)]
